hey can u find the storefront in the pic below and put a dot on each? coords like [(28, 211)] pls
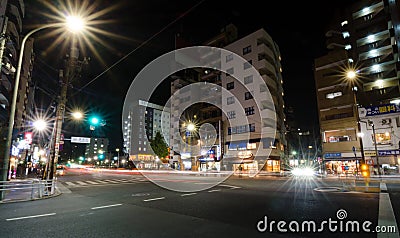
[(342, 166)]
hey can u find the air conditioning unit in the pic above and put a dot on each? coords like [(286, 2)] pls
[(386, 121)]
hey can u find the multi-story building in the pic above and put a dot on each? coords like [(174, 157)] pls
[(261, 52), (12, 13), (140, 126), (365, 37), (380, 126), (205, 156), (97, 149)]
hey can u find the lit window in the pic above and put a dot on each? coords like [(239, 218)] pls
[(347, 47), (344, 23), (251, 146), (346, 34), (333, 95), (382, 138)]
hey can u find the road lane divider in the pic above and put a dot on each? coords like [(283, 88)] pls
[(28, 217), (188, 194), (214, 190), (229, 186), (107, 206), (153, 199)]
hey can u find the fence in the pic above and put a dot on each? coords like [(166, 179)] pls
[(22, 190)]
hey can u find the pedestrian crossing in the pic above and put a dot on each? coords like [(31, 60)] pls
[(74, 184)]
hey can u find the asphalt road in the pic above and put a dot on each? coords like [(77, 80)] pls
[(127, 205)]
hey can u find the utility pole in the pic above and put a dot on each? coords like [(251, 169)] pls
[(66, 77)]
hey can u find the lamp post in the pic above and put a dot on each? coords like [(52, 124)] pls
[(371, 123), (117, 149), (14, 103), (352, 76), (74, 25)]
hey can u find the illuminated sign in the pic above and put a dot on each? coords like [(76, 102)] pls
[(82, 140), (382, 109), (28, 137)]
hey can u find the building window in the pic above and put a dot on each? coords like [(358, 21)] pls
[(247, 64), (230, 100), (140, 148), (333, 95), (230, 85), (231, 114), (248, 95), (248, 79), (229, 57), (382, 138), (246, 49), (229, 71), (263, 88), (252, 127), (249, 111), (251, 146)]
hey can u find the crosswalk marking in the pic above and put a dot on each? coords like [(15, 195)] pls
[(103, 182), (92, 182)]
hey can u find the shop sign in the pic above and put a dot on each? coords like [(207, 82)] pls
[(245, 154), (388, 152), (369, 153), (382, 109), (333, 155)]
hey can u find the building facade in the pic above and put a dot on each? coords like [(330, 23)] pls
[(141, 124), (261, 52), (364, 37), (96, 150)]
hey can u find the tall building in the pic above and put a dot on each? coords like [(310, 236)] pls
[(365, 37), (97, 149), (140, 126), (261, 52), (11, 17), (204, 157)]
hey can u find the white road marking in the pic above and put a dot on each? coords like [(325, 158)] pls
[(113, 205), (153, 199), (100, 181), (81, 183), (188, 194), (111, 181), (70, 183), (229, 186), (215, 190), (27, 217), (91, 182), (386, 216)]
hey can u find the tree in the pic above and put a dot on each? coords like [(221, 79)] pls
[(159, 145)]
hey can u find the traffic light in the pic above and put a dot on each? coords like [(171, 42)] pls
[(365, 170), (94, 121)]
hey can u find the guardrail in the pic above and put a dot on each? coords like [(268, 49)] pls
[(29, 189)]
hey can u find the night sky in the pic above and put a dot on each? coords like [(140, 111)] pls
[(298, 27)]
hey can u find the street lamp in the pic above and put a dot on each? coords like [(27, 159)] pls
[(351, 75), (117, 150), (73, 24)]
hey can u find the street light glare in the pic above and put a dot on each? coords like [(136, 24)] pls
[(77, 115), (351, 74), (75, 24), (40, 125), (191, 127)]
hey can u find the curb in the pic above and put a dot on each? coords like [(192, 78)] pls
[(56, 194)]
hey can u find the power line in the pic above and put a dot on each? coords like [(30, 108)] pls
[(141, 45)]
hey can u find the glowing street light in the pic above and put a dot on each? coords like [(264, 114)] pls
[(75, 24), (77, 115), (70, 25), (190, 127), (40, 125)]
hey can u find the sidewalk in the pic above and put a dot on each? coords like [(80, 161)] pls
[(29, 189)]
